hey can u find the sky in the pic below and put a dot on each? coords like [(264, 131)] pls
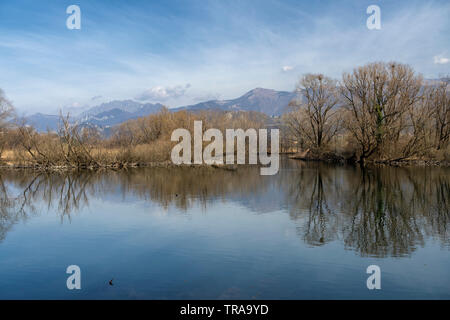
[(183, 52)]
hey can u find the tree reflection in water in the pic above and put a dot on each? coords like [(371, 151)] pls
[(378, 212)]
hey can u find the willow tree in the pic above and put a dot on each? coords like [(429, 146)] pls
[(377, 97)]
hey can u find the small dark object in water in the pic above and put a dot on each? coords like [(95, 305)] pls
[(111, 282), (176, 194)]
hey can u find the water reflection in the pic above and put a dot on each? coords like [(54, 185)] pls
[(378, 212)]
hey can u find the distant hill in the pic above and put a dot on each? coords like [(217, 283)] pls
[(42, 122), (268, 101), (102, 116), (106, 115), (130, 106)]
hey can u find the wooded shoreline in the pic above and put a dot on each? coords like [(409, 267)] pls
[(392, 163), (228, 167), (381, 114)]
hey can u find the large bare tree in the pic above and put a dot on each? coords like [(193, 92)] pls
[(377, 97)]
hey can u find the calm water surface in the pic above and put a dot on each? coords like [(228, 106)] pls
[(309, 232)]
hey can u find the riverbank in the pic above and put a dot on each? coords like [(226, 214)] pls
[(232, 167), (333, 158), (115, 166)]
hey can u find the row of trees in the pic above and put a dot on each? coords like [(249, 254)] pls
[(134, 142), (159, 126), (382, 111)]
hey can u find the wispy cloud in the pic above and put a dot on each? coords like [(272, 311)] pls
[(147, 50), (440, 59)]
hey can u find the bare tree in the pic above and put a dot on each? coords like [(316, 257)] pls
[(6, 113), (441, 114), (77, 143), (314, 119), (377, 96)]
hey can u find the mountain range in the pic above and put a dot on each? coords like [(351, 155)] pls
[(106, 115)]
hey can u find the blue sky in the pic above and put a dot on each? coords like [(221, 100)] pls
[(182, 52)]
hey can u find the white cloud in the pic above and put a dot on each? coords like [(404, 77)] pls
[(287, 68), (160, 93), (440, 59)]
